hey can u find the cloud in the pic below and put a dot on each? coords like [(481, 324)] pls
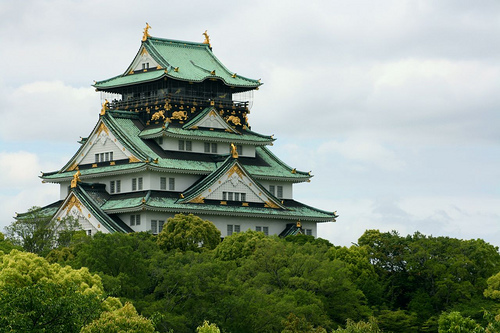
[(49, 111), (363, 151)]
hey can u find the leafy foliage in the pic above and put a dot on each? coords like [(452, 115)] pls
[(42, 297), (188, 233), (38, 233), (124, 319)]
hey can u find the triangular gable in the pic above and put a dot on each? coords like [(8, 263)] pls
[(230, 177), (210, 118), (101, 140), (143, 61), (73, 207), (80, 205)]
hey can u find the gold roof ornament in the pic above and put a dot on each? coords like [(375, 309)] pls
[(298, 224), (146, 32), (207, 39), (234, 151), (76, 179), (105, 107)]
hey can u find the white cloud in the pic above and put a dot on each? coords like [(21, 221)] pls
[(50, 111), (364, 151)]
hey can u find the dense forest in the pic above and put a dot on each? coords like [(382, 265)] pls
[(185, 279)]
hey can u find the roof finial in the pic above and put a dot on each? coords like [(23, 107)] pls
[(76, 179), (207, 39), (234, 151), (146, 32), (105, 107)]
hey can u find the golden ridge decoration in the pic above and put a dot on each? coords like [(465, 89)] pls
[(146, 32), (270, 204), (235, 169), (207, 38), (133, 159), (234, 151), (198, 199), (73, 202), (101, 128), (105, 107), (76, 179)]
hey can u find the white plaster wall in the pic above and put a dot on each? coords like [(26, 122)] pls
[(199, 147), (287, 188), (104, 144), (63, 190), (221, 222)]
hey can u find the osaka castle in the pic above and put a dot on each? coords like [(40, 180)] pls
[(173, 136)]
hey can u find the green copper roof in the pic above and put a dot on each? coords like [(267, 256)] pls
[(170, 202), (128, 133), (247, 137), (185, 61)]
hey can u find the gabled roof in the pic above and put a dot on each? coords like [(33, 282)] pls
[(230, 167), (191, 130), (209, 114), (180, 60), (129, 132), (164, 201)]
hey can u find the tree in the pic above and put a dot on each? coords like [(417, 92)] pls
[(38, 233), (124, 319), (454, 322), (493, 290), (36, 296), (207, 328), (360, 327), (294, 324), (188, 233)]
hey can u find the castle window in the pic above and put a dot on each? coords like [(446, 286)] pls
[(137, 184), (157, 226), (171, 184), (112, 186), (207, 147), (163, 183), (181, 144), (189, 145), (279, 191), (214, 148), (265, 230), (272, 189), (135, 220), (232, 229), (160, 140), (309, 232)]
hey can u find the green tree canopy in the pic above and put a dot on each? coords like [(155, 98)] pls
[(125, 319), (38, 233), (188, 233), (36, 296)]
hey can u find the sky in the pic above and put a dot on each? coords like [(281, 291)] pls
[(393, 105)]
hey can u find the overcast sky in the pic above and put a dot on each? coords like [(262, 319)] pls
[(393, 105)]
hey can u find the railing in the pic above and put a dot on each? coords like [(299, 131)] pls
[(157, 100)]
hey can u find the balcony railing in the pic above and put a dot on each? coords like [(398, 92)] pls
[(157, 100)]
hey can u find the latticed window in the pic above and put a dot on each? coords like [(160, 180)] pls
[(181, 144), (139, 183), (163, 183), (272, 189), (135, 220), (171, 184), (279, 191), (112, 186), (189, 145)]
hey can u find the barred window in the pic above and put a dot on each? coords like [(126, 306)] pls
[(181, 144), (189, 145), (171, 184), (272, 189), (163, 183), (279, 191), (112, 186)]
